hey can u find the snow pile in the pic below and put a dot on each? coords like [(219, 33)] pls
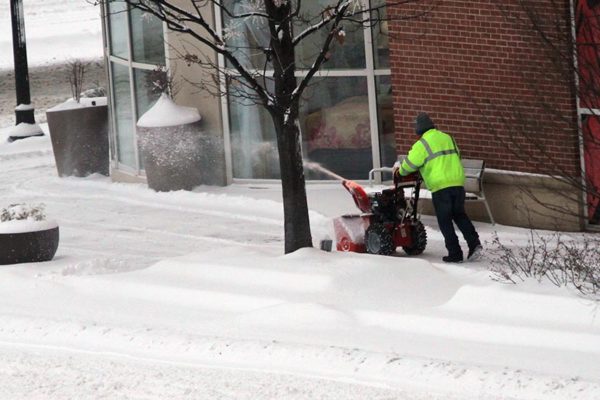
[(72, 104), (23, 130), (24, 107)]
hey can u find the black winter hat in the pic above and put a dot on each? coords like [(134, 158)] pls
[(423, 123)]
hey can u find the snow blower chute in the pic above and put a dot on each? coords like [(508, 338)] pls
[(389, 219)]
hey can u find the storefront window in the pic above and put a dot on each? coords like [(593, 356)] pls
[(591, 145), (385, 121), (379, 32), (588, 51), (335, 125), (246, 37), (117, 16), (344, 54), (144, 34), (147, 38), (335, 117), (145, 96), (123, 115), (253, 141)]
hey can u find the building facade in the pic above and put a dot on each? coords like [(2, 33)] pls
[(503, 79)]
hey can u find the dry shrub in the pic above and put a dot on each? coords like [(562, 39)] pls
[(556, 258)]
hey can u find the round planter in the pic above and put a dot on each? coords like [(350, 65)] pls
[(172, 156), (31, 246), (79, 139)]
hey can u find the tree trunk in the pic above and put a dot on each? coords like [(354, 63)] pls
[(284, 113), (295, 205)]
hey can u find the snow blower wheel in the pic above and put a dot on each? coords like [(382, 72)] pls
[(379, 240), (419, 240)]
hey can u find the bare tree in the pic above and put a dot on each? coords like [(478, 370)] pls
[(287, 25), (76, 70)]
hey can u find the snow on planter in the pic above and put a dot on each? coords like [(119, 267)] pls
[(175, 150), (166, 113), (84, 102), (26, 235)]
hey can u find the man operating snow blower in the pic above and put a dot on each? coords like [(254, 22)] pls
[(436, 156)]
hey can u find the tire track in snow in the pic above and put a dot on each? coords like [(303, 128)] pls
[(22, 188), (40, 372), (410, 378)]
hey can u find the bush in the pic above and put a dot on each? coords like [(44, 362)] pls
[(22, 212), (564, 262)]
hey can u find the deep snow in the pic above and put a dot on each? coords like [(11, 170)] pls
[(56, 30), (188, 295), (191, 292)]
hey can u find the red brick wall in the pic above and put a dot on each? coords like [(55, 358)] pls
[(484, 75)]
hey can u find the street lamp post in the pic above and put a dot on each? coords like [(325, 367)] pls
[(24, 110)]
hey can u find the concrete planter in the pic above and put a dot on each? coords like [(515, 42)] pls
[(172, 156), (80, 139), (33, 246)]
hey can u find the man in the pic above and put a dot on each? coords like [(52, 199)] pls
[(436, 156)]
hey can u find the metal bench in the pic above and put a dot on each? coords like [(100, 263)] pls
[(474, 183)]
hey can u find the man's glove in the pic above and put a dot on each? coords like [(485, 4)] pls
[(396, 169)]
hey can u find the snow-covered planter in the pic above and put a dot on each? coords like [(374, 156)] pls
[(172, 145), (79, 134), (26, 235)]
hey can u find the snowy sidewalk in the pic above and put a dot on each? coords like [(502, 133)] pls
[(192, 292)]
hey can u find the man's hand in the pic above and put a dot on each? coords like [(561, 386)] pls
[(396, 169)]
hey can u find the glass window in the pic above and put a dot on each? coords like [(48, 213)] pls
[(381, 51), (335, 119), (145, 98), (117, 12), (591, 143), (253, 140), (123, 115), (147, 38), (246, 36), (385, 121), (335, 125), (144, 95), (344, 54)]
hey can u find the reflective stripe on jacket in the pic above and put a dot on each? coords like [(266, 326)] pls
[(438, 159)]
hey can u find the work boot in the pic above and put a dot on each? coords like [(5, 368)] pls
[(453, 258), (474, 252)]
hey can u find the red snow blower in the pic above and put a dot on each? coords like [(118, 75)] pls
[(389, 219)]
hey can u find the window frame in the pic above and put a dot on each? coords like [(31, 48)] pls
[(131, 66)]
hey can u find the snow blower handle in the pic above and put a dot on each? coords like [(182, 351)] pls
[(413, 179)]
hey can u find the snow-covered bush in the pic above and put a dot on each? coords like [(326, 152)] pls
[(76, 71), (160, 80), (21, 212), (562, 261), (97, 91)]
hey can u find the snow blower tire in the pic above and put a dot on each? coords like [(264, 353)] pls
[(419, 235), (379, 240)]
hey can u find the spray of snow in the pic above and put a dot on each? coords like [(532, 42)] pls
[(316, 167)]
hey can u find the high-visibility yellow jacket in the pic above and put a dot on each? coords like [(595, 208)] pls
[(437, 157)]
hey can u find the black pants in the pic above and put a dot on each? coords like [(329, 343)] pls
[(449, 206)]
